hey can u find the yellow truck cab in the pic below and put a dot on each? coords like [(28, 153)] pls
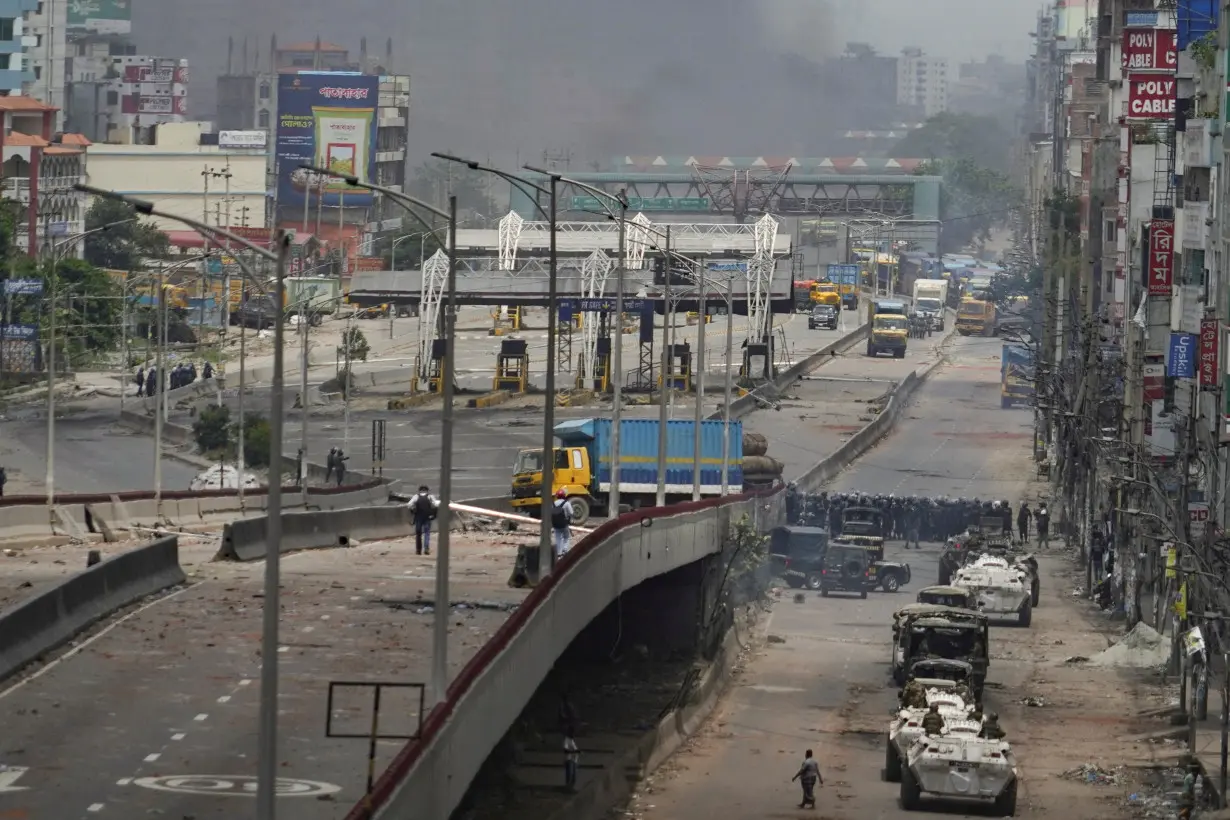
[(826, 293), (976, 317), (890, 328)]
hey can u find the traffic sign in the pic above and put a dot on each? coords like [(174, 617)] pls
[(604, 305), (23, 287)]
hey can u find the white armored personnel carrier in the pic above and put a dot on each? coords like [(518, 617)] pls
[(1002, 588), (906, 726), (960, 765)]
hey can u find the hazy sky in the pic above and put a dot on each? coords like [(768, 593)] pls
[(492, 77)]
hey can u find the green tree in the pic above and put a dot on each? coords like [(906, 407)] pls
[(122, 246), (87, 302), (980, 140), (354, 346), (256, 439), (973, 200), (434, 181), (211, 429)]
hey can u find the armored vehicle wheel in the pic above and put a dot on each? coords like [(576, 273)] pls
[(1027, 614), (891, 582), (1035, 592), (945, 574), (813, 581), (824, 592), (899, 354), (892, 762), (911, 795), (1005, 804), (794, 582), (862, 593)]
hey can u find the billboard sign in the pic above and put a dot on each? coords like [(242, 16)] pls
[(1181, 359), (1210, 352), (327, 119), (23, 287), (1151, 97), (101, 16), (1161, 257), (1150, 49), (243, 139), (156, 104)]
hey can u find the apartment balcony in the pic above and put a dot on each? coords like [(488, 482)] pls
[(17, 189)]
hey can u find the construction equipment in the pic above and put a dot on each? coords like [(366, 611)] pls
[(505, 319)]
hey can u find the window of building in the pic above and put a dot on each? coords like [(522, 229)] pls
[(38, 41), (113, 98), (38, 72), (6, 29), (264, 91), (39, 9), (262, 119)]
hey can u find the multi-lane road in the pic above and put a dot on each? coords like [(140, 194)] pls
[(823, 682)]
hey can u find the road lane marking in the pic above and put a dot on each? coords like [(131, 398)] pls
[(76, 650), (95, 807), (201, 717), (178, 736), (123, 781), (245, 682), (224, 699), (150, 758)]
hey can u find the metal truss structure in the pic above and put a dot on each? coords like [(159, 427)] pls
[(595, 271), (637, 238), (922, 233), (509, 236), (760, 269), (788, 196), (435, 279), (741, 192)]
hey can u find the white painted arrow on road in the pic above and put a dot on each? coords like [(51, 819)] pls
[(9, 775)]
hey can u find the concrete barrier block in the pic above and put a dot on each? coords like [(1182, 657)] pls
[(409, 402), (42, 623), (26, 522), (489, 399)]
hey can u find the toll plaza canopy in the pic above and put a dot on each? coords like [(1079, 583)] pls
[(688, 239)]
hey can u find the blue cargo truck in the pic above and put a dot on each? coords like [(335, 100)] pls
[(582, 465)]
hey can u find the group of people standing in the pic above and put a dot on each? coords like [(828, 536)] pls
[(181, 375)]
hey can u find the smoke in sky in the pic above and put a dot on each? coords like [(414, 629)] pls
[(498, 79)]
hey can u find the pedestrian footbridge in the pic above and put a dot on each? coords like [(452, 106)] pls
[(430, 776)]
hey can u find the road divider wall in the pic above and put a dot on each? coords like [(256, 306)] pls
[(40, 624), (244, 540), (744, 405)]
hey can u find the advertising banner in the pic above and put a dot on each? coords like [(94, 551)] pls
[(1161, 257), (1151, 97), (1210, 352), (156, 104), (327, 119), (101, 16), (1150, 49), (1181, 358)]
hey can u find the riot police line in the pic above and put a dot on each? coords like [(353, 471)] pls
[(935, 518)]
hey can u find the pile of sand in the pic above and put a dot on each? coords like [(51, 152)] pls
[(1141, 648)]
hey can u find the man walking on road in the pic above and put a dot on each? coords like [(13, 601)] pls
[(809, 775), (561, 519), (1043, 519), (423, 508), (1022, 521)]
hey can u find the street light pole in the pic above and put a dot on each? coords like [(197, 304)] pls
[(443, 609), (617, 361), (160, 385), (243, 388), (730, 335), (50, 478), (666, 389), (267, 763), (303, 399), (699, 369)]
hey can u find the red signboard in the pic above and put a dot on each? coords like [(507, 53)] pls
[(1161, 257), (1150, 49), (1151, 97), (1210, 340)]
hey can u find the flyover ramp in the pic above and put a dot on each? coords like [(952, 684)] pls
[(157, 715), (429, 777)]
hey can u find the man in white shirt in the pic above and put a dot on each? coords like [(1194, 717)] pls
[(423, 509), (561, 520)]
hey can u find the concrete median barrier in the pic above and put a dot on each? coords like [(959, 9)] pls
[(244, 540), (35, 627), (743, 405)]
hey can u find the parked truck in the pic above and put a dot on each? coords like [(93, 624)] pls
[(583, 465), (976, 317), (846, 279), (930, 299)]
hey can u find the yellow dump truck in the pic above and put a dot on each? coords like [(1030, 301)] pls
[(890, 328), (826, 293), (976, 317)]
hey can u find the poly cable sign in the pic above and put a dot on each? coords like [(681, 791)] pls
[(1161, 257), (1210, 342), (1151, 97), (1150, 49)]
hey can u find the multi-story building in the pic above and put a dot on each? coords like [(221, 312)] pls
[(123, 97), (248, 101), (14, 72), (188, 174), (46, 43), (40, 167), (922, 82)]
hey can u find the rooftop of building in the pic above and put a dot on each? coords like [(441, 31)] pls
[(331, 48), (24, 104)]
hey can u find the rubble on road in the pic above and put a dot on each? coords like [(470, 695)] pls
[(1092, 773), (1035, 701), (1141, 648)]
